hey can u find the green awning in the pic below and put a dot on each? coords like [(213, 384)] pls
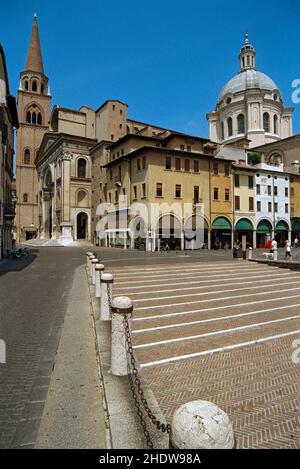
[(244, 225), (296, 225), (221, 223), (264, 227), (282, 226)]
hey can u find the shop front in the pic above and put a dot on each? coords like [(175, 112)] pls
[(221, 234)]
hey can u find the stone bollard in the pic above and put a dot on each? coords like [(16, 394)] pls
[(201, 425), (90, 264), (120, 306), (94, 262), (106, 296), (99, 268), (250, 254), (88, 254), (275, 254)]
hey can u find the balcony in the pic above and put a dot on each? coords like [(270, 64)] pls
[(9, 212)]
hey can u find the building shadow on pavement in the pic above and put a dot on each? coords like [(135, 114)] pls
[(16, 265)]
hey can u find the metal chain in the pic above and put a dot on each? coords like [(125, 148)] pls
[(109, 297), (137, 382)]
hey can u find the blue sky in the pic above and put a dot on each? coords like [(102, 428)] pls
[(167, 60)]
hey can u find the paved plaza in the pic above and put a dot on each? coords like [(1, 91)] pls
[(222, 332)]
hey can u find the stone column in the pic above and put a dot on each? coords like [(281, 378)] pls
[(121, 306), (66, 223), (106, 295)]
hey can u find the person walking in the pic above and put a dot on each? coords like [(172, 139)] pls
[(274, 245), (287, 250), (296, 242)]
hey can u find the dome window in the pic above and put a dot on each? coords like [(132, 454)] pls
[(228, 100), (266, 122), (229, 126), (241, 123), (275, 96), (222, 130), (275, 124)]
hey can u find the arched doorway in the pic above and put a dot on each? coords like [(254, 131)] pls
[(82, 225), (244, 227), (296, 230), (168, 231), (195, 232), (263, 234), (281, 233), (221, 231)]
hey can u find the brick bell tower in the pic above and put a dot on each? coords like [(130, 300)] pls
[(33, 111)]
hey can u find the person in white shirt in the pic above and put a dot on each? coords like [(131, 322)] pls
[(274, 245), (296, 242), (287, 250)]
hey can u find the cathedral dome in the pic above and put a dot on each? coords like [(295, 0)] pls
[(247, 80)]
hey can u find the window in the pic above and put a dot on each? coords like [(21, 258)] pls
[(269, 190), (236, 180), (177, 164), (121, 125), (144, 162), (138, 164), (216, 168), (186, 165), (275, 124), (39, 119), (226, 169), (276, 207), (229, 126), (109, 197), (34, 86), (257, 189), (113, 107), (121, 112), (182, 147), (251, 204), (168, 162), (188, 148), (178, 191), (266, 122), (216, 193), (116, 197), (286, 208), (196, 194), (144, 190), (241, 123), (25, 198), (42, 89), (158, 189), (237, 202), (250, 182), (27, 156), (286, 191), (26, 85), (269, 207), (119, 173), (258, 206), (81, 168), (112, 136), (134, 192), (222, 130), (33, 121), (196, 166), (227, 193), (28, 117)]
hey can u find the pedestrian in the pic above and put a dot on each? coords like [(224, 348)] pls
[(274, 245), (287, 250), (296, 242)]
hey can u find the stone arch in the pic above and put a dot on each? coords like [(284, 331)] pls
[(27, 156), (82, 167), (196, 231), (82, 197), (76, 222), (168, 230)]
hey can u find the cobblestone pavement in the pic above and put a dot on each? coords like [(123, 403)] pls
[(221, 332), (33, 297)]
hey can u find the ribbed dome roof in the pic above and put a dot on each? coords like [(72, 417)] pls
[(247, 80)]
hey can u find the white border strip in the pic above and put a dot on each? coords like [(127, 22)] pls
[(202, 321), (216, 350), (209, 334)]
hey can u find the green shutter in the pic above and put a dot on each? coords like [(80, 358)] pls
[(296, 225), (264, 227), (244, 225), (282, 226), (221, 223)]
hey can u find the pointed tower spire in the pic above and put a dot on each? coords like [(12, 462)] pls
[(34, 60)]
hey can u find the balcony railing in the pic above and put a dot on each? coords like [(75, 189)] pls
[(9, 211)]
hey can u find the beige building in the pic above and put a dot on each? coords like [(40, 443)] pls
[(250, 105), (8, 121), (33, 111)]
